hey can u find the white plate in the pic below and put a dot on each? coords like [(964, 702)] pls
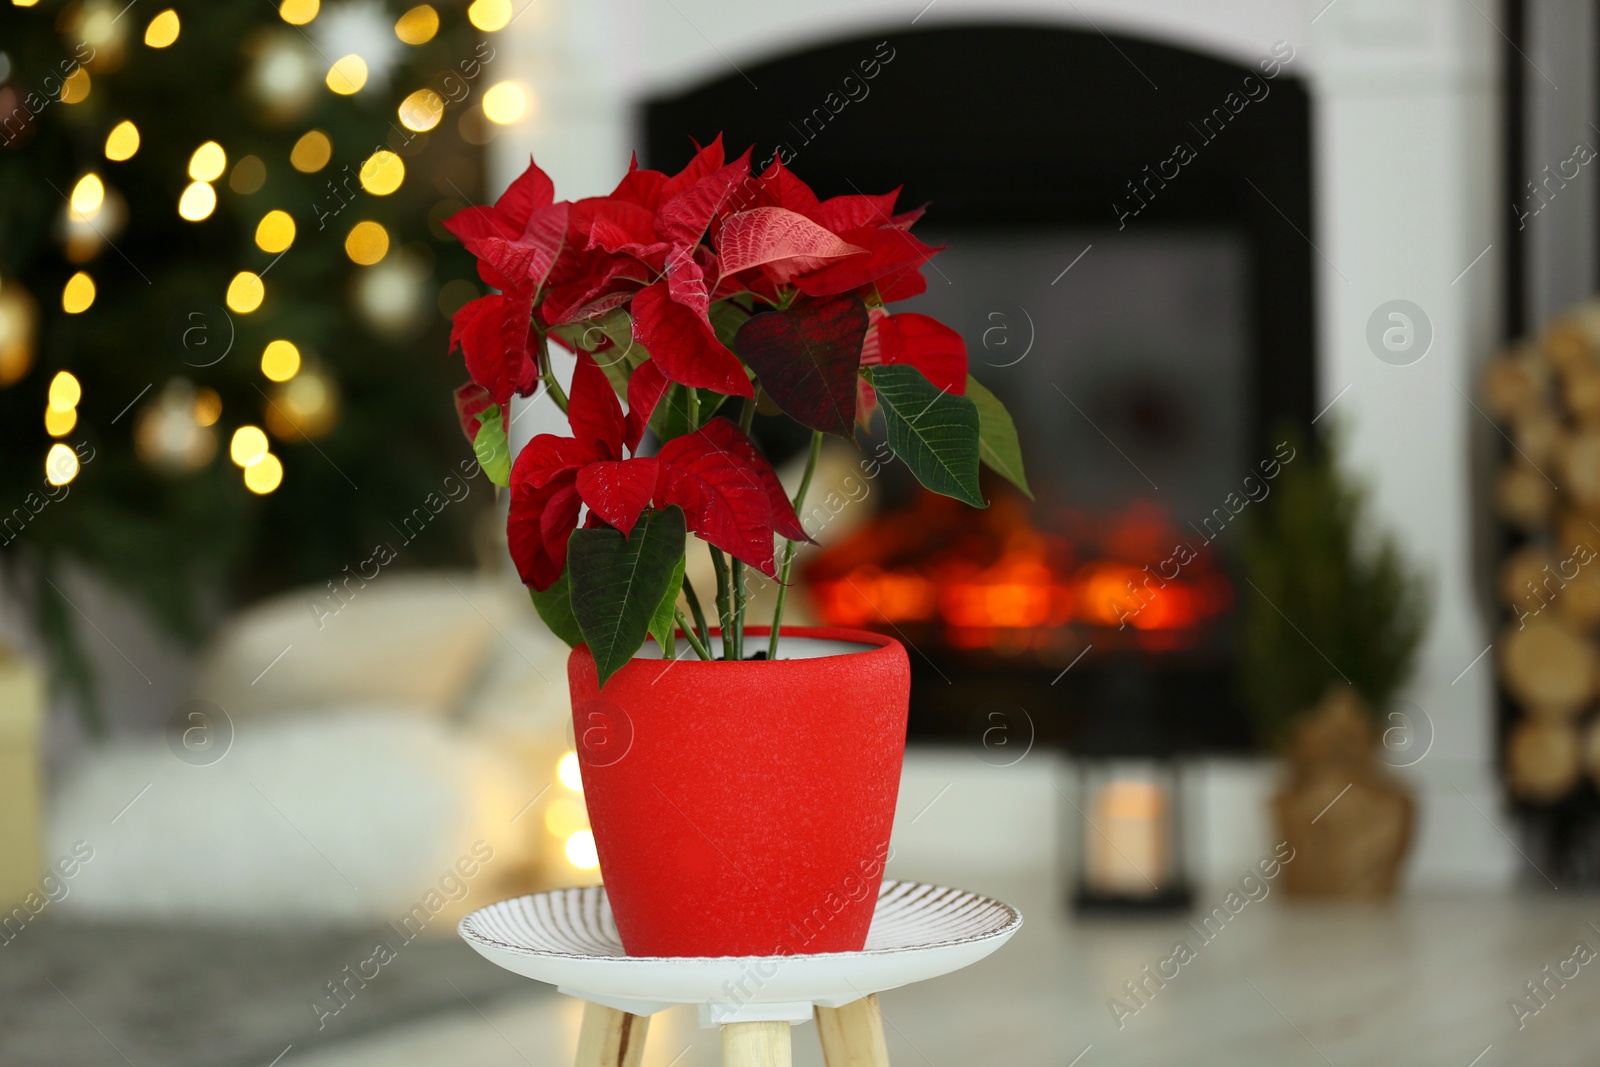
[(568, 939)]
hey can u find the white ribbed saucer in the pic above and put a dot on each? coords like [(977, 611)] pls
[(568, 939)]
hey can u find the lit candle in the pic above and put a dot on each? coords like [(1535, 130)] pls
[(1130, 841)]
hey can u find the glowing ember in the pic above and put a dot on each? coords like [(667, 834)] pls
[(996, 582)]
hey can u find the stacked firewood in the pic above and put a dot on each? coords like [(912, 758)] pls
[(1546, 395)]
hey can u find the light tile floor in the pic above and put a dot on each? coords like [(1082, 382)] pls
[(1422, 982)]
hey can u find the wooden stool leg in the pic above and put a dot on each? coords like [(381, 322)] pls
[(610, 1038), (755, 1045), (852, 1036)]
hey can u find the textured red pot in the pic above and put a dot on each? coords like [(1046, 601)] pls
[(745, 808)]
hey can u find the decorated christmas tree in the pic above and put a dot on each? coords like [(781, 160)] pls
[(225, 291)]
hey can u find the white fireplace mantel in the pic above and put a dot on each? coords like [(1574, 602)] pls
[(1408, 205)]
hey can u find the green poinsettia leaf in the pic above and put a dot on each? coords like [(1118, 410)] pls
[(663, 623), (491, 446), (554, 606), (998, 446), (618, 583), (935, 432)]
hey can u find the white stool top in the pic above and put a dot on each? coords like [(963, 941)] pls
[(568, 939)]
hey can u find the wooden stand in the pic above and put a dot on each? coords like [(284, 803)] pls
[(755, 1044), (567, 938), (611, 1038), (852, 1036)]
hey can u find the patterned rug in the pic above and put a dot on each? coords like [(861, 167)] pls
[(73, 994)]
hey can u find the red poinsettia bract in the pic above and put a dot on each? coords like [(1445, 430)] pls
[(728, 492)]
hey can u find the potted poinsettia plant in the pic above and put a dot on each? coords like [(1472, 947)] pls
[(740, 780)]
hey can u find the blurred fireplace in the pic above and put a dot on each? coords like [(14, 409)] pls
[(1150, 356)]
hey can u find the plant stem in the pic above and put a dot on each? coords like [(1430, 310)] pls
[(693, 407), (699, 615), (688, 633), (788, 548), (551, 386), (724, 600), (741, 596)]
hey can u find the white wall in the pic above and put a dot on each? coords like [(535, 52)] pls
[(1407, 199)]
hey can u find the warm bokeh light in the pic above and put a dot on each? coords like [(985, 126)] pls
[(60, 423), (264, 475), (198, 201), (490, 15), (207, 407), (60, 464), (418, 25), (280, 361), (382, 173), (245, 292), (505, 103), (122, 142), (565, 816), (65, 391), (422, 110), (163, 29), (75, 89), (78, 294), (311, 152), (367, 243), (275, 232), (570, 774), (581, 852), (88, 195), (347, 75), (208, 162), (249, 175), (248, 445), (298, 12)]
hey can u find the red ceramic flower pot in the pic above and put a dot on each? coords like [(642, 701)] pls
[(745, 808)]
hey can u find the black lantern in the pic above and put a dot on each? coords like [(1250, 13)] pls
[(1123, 811)]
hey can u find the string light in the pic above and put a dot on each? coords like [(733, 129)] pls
[(247, 445), (249, 175), (569, 773), (60, 423), (207, 407), (245, 292), (198, 201), (208, 162), (311, 152), (75, 89), (382, 173), (275, 232), (418, 25), (77, 296), (60, 464), (265, 475), (65, 391), (504, 103), (581, 852), (87, 196), (489, 15), (280, 361), (298, 12), (422, 110), (308, 406), (163, 29), (122, 142), (347, 75), (367, 243)]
